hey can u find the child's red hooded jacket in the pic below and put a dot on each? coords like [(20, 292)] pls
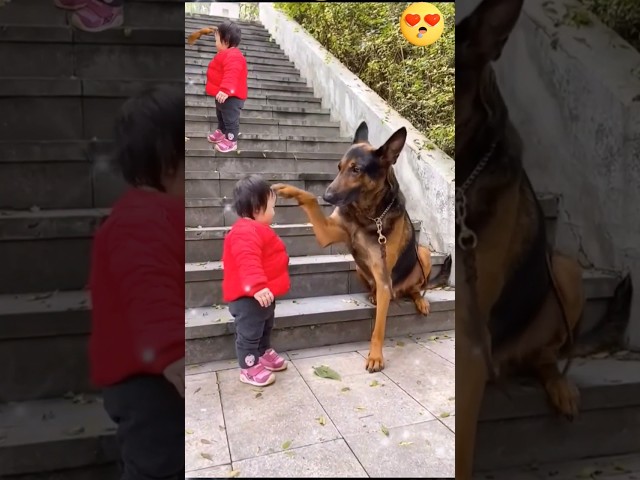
[(253, 258), (227, 72)]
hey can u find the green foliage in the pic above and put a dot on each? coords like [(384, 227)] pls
[(249, 11), (622, 16), (418, 82)]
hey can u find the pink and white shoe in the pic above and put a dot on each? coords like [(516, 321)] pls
[(257, 376), (70, 4), (215, 137), (225, 145), (272, 361), (97, 17)]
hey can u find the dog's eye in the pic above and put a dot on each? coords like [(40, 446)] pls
[(355, 169)]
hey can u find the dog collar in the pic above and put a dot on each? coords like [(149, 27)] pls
[(378, 221)]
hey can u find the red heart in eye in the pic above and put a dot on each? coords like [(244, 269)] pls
[(432, 19), (412, 19)]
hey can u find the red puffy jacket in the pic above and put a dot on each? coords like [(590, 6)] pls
[(228, 72), (137, 288), (253, 258)]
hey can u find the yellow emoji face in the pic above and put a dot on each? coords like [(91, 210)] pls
[(421, 24)]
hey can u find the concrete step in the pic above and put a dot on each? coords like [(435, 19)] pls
[(252, 110), (218, 212), (205, 244), (160, 14), (319, 275), (267, 126), (63, 436), (273, 99), (258, 92), (523, 431), (198, 81), (314, 322), (201, 71), (255, 66), (253, 42), (249, 32), (210, 184), (257, 161), (255, 48), (198, 21), (253, 54), (194, 93), (272, 63), (94, 61), (279, 143)]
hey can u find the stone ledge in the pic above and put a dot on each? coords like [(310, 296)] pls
[(76, 87)]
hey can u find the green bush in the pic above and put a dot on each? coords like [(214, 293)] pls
[(418, 82), (622, 16)]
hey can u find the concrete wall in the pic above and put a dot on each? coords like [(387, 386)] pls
[(574, 97), (426, 176), (225, 9)]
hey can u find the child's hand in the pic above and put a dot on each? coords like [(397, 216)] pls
[(221, 96), (264, 297), (175, 374)]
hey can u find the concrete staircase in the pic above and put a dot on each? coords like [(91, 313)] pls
[(59, 91), (286, 136)]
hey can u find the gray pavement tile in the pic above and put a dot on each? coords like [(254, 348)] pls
[(426, 376), (260, 420), (328, 350), (331, 459), (215, 366), (450, 422), (221, 471), (442, 343), (205, 441), (360, 402), (422, 450)]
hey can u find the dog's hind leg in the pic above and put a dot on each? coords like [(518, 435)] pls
[(421, 303)]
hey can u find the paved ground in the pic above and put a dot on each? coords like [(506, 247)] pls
[(396, 423), (622, 467)]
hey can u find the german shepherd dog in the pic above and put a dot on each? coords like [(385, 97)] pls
[(371, 219), (517, 302)]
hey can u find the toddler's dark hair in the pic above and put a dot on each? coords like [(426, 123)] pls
[(250, 195), (149, 136), (229, 33)]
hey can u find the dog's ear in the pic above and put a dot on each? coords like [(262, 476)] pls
[(484, 33), (390, 151), (362, 134)]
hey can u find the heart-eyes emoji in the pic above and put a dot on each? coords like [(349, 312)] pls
[(421, 24)]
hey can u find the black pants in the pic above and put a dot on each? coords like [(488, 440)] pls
[(149, 413), (228, 114), (253, 329)]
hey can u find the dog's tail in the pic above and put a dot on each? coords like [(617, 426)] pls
[(442, 278), (203, 31)]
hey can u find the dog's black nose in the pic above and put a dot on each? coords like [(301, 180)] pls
[(328, 197)]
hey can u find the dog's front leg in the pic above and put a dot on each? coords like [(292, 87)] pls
[(375, 360)]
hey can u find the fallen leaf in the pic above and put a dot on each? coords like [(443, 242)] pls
[(374, 383), (405, 444), (400, 344), (444, 414), (360, 409), (197, 390), (589, 472), (258, 395), (451, 399), (345, 389), (233, 473), (433, 338), (321, 421), (290, 453), (205, 441), (286, 445), (385, 430), (324, 371), (206, 456), (188, 432)]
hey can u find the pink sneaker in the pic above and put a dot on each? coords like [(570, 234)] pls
[(272, 361), (257, 376), (215, 137), (225, 145), (97, 17), (70, 4)]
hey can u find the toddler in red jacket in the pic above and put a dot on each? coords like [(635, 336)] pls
[(256, 271), (227, 82), (136, 348)]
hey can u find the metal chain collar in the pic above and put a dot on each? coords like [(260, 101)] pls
[(378, 221)]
